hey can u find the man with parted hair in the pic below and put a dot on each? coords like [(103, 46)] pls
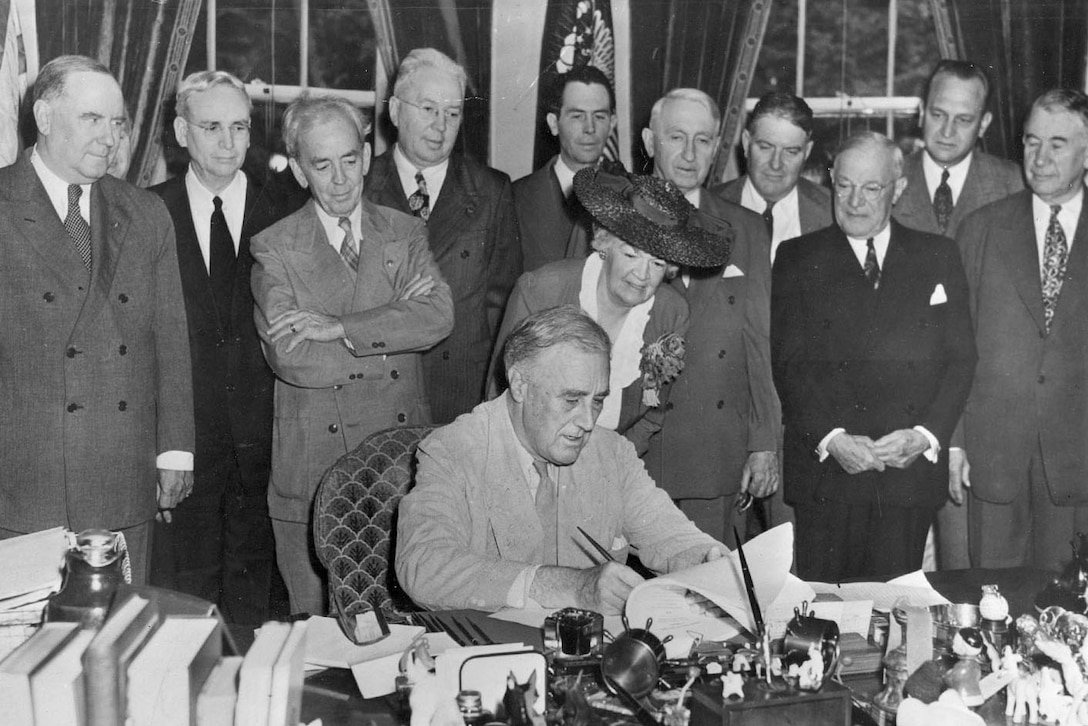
[(347, 294), (1025, 430), (947, 181), (581, 114), (493, 518), (95, 378), (468, 210), (719, 441), (873, 356), (218, 545), (777, 141)]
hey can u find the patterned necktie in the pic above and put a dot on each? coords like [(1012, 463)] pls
[(420, 201), (77, 226), (942, 202), (221, 256), (768, 219), (347, 246), (548, 512), (872, 267), (1055, 255)]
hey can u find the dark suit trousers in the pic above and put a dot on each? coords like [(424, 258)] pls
[(835, 541), (219, 546), (1028, 531)]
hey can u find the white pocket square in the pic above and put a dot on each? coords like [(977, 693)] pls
[(733, 271), (938, 295)]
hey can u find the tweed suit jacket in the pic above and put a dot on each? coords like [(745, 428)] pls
[(473, 236), (552, 227), (813, 201), (989, 178), (869, 361), (95, 376), (724, 405), (328, 396), (560, 283), (232, 383), (1030, 386), (470, 526)]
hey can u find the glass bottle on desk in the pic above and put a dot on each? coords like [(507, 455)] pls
[(94, 568)]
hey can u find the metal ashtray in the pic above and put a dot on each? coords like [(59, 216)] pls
[(633, 659)]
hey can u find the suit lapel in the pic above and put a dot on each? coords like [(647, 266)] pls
[(457, 205), (320, 267), (1071, 299), (383, 184), (42, 229), (1019, 250), (109, 232), (190, 260), (510, 508)]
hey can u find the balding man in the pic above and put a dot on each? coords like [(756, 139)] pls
[(873, 355)]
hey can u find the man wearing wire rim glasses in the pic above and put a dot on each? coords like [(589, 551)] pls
[(873, 355)]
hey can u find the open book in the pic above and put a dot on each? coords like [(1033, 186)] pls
[(666, 598)]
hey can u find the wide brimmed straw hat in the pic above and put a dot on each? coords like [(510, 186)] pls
[(654, 216)]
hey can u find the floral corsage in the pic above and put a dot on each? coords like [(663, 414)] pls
[(661, 363)]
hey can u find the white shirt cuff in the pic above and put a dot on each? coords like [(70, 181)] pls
[(518, 594), (176, 460), (934, 445), (821, 449)]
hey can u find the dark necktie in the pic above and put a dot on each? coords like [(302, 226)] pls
[(347, 246), (1055, 255), (872, 267), (221, 257), (420, 201), (768, 219), (548, 512), (942, 202), (77, 226)]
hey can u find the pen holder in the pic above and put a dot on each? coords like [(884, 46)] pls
[(633, 660), (574, 633)]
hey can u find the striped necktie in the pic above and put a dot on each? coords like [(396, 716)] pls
[(77, 226), (347, 246)]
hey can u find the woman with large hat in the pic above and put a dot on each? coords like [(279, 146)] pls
[(644, 231)]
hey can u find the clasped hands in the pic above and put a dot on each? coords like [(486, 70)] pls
[(857, 453)]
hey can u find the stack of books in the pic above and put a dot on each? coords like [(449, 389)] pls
[(148, 666)]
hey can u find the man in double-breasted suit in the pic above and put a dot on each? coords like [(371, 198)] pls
[(95, 394), (471, 225), (720, 435), (552, 224), (218, 545), (955, 117), (777, 141), (346, 294), (1025, 429), (873, 356)]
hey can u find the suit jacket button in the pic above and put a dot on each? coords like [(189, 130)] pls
[(351, 376), (381, 344), (732, 299), (123, 350), (122, 405), (1042, 379), (401, 418), (394, 374), (464, 254), (721, 404), (843, 366), (49, 297), (721, 353), (669, 406), (333, 428), (231, 388), (123, 297), (72, 352), (374, 344), (445, 355), (73, 407)]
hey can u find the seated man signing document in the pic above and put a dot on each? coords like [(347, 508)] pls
[(500, 493)]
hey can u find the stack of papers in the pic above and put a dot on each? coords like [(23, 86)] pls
[(32, 567)]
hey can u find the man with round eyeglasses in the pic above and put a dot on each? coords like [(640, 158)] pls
[(873, 356)]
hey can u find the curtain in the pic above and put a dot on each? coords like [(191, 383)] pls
[(1027, 47), (146, 45)]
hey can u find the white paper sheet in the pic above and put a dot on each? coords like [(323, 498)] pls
[(328, 647), (378, 677)]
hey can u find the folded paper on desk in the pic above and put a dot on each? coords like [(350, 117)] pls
[(914, 589), (666, 598), (32, 566)]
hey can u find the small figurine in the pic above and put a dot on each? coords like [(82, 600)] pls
[(810, 673), (428, 706), (964, 676), (732, 685), (519, 700), (993, 605), (1022, 696)]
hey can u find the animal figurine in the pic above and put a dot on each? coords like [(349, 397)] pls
[(1021, 698), (810, 673), (519, 700), (732, 685), (428, 706), (1054, 703)]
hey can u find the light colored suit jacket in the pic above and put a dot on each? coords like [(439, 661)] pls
[(988, 179), (813, 201), (1031, 388), (94, 368), (723, 406), (328, 397), (470, 526), (560, 283)]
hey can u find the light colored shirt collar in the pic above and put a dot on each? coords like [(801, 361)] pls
[(786, 211), (880, 244), (564, 175), (201, 207), (1067, 217), (57, 188), (626, 348), (957, 175), (331, 225), (435, 176)]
